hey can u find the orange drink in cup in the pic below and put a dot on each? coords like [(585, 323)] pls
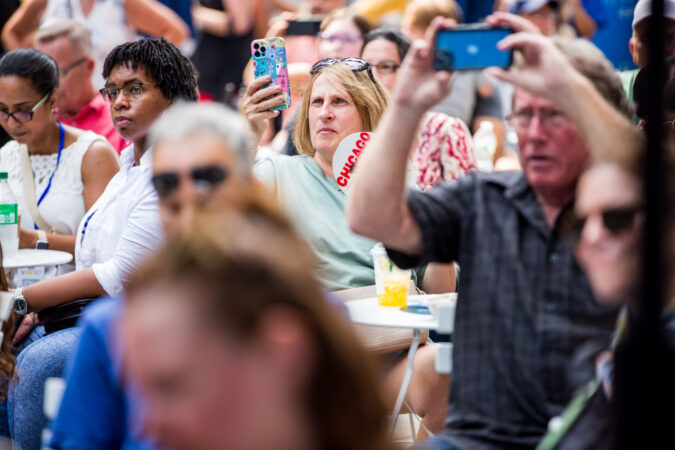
[(391, 283)]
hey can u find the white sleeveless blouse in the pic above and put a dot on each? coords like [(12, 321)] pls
[(63, 206)]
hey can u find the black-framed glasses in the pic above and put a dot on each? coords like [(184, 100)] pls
[(24, 116), (205, 179), (615, 220), (386, 66), (131, 91), (66, 70)]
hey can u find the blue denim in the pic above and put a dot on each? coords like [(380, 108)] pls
[(43, 358), (37, 333), (433, 444)]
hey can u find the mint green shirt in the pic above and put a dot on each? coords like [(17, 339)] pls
[(316, 207), (628, 81)]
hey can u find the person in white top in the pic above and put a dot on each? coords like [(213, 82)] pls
[(142, 79), (111, 22), (64, 169)]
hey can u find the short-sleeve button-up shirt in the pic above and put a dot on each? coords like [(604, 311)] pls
[(524, 307)]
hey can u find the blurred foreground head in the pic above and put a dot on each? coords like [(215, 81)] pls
[(232, 344), (202, 161), (610, 203)]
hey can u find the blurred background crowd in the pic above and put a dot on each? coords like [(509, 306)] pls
[(215, 242)]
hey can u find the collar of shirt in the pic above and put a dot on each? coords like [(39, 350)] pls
[(127, 160)]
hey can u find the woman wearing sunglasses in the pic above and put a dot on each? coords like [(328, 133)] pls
[(143, 79), (442, 149), (342, 97), (56, 172)]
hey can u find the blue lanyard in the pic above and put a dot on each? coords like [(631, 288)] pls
[(62, 136), (86, 224)]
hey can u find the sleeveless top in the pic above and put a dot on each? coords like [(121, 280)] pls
[(63, 206), (220, 60), (107, 23)]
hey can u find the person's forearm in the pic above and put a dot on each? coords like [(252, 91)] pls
[(607, 132), (211, 20), (439, 278), (76, 285), (584, 23), (377, 207), (62, 242)]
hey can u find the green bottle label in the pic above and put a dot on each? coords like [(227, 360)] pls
[(8, 214)]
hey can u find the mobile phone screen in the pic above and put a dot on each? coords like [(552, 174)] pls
[(470, 48)]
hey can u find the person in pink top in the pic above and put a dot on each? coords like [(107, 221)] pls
[(78, 104)]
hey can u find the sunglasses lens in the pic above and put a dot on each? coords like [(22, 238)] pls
[(208, 177), (618, 220), (165, 183)]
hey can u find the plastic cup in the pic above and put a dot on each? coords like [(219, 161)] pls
[(391, 283)]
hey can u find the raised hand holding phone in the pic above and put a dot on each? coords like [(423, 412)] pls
[(419, 86)]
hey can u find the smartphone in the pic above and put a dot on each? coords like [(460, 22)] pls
[(303, 27), (471, 47), (269, 58)]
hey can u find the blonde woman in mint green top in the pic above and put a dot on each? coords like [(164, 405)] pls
[(341, 98)]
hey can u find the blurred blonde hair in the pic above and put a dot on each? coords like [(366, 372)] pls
[(368, 95)]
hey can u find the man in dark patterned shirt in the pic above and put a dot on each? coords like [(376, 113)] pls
[(525, 305)]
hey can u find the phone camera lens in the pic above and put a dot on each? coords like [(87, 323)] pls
[(256, 46), (262, 49), (257, 54)]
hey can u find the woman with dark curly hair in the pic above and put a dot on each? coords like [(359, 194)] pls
[(142, 79)]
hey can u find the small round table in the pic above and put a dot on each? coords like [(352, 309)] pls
[(30, 257), (368, 311)]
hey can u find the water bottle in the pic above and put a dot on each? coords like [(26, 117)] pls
[(9, 219), (485, 146)]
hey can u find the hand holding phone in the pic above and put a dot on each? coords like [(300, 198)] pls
[(470, 47), (269, 58)]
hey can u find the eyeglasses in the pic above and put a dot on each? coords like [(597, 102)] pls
[(615, 220), (131, 91), (66, 70), (205, 178), (669, 125), (23, 116), (352, 63), (342, 38), (386, 66), (548, 118)]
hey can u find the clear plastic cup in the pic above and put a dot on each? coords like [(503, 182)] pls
[(391, 283)]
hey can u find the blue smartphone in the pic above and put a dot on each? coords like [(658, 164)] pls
[(471, 47)]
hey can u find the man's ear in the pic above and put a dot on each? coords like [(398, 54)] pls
[(631, 49), (90, 65)]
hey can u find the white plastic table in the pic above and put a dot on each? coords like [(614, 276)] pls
[(30, 257), (367, 311)]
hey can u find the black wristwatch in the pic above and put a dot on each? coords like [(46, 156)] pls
[(20, 304), (42, 242)]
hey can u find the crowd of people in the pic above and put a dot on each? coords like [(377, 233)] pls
[(214, 243)]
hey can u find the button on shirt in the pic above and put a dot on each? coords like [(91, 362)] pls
[(524, 307), (124, 224)]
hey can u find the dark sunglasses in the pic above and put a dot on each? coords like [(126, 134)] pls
[(615, 220), (205, 178)]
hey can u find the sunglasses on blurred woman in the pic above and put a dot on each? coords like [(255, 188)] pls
[(205, 179), (615, 220)]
